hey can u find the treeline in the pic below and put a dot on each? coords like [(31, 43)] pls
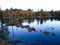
[(19, 13)]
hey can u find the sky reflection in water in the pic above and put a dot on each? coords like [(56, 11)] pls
[(46, 33)]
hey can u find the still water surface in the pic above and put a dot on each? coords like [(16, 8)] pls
[(47, 32)]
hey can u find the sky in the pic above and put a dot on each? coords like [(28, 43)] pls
[(32, 4)]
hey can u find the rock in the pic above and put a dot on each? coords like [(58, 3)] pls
[(18, 25), (31, 29), (40, 30), (15, 41), (52, 28), (46, 32), (22, 26), (25, 26), (53, 34)]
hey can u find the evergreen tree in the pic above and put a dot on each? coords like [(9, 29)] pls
[(0, 14)]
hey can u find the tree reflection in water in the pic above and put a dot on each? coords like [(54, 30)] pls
[(4, 34), (30, 29)]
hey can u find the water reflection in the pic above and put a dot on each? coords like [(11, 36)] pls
[(47, 32), (53, 34), (4, 34), (31, 29), (20, 21), (32, 32)]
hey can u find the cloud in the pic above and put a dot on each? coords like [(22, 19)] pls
[(33, 4)]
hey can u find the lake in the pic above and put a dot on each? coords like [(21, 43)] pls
[(36, 32)]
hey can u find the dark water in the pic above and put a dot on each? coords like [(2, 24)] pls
[(47, 32)]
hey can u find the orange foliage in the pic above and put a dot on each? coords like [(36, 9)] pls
[(40, 14), (4, 13), (46, 13), (14, 13)]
